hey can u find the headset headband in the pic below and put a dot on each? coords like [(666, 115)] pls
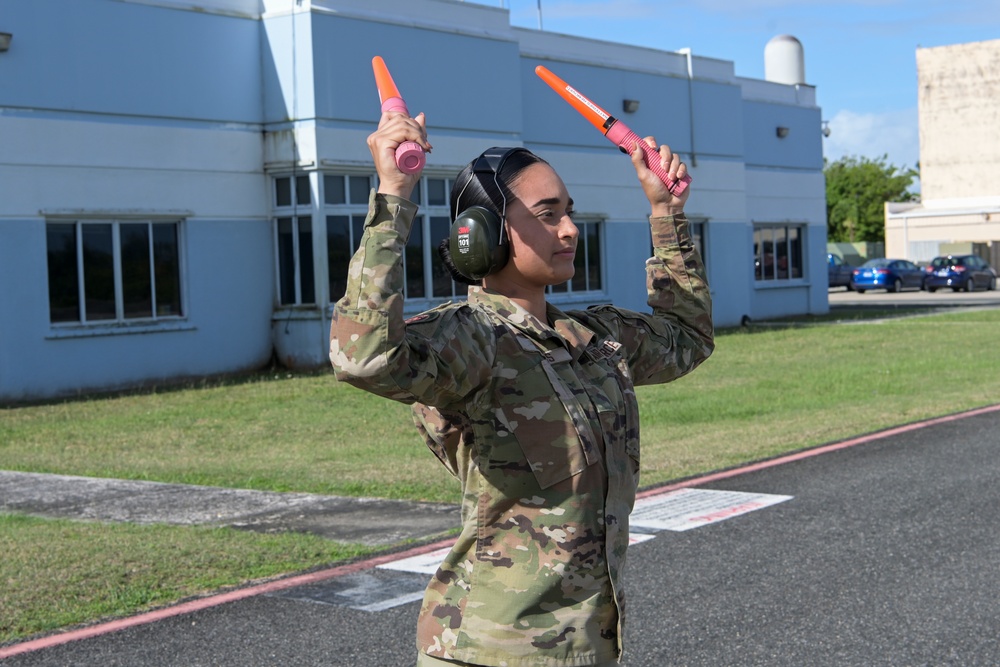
[(491, 161)]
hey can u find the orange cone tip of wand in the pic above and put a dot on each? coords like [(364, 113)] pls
[(386, 86)]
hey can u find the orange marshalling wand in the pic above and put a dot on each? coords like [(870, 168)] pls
[(410, 156), (615, 130)]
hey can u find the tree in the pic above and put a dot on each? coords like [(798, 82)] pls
[(856, 191)]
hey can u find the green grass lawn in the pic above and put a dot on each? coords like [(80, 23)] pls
[(57, 573), (765, 391)]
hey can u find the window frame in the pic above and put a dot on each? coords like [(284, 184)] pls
[(297, 210), (119, 287), (792, 252), (566, 290)]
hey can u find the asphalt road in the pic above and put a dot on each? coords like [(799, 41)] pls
[(886, 553)]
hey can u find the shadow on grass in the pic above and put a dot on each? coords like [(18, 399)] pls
[(847, 313), (271, 373)]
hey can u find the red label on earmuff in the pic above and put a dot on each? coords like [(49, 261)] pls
[(463, 239)]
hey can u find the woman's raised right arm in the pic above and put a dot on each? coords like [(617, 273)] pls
[(438, 358)]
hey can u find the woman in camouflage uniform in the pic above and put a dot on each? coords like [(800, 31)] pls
[(532, 408)]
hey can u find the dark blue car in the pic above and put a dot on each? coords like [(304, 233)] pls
[(892, 275), (838, 271), (960, 272)]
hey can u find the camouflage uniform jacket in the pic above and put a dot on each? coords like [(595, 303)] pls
[(540, 423)]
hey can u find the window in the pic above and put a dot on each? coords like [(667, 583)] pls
[(697, 231), (777, 252), (698, 238), (113, 271), (587, 261), (294, 240), (345, 199)]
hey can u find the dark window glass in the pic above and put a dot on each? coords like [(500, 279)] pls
[(443, 285), (414, 260), (137, 287), (338, 252), (360, 189), (303, 195), (98, 272), (764, 253), (795, 251), (698, 238), (64, 288), (781, 252), (307, 281), (333, 190), (286, 261), (436, 192), (282, 192), (167, 270), (594, 256), (756, 254)]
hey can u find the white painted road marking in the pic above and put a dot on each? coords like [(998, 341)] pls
[(690, 508)]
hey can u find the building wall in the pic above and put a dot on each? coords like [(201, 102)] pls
[(121, 111), (161, 109), (958, 86)]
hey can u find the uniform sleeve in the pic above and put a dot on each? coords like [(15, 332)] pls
[(440, 359), (678, 335)]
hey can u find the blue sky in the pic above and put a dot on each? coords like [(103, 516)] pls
[(860, 54)]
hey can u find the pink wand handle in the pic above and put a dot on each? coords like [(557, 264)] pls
[(626, 139), (410, 156)]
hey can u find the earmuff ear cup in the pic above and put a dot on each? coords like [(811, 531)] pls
[(476, 245)]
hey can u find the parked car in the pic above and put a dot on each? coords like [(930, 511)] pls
[(839, 271), (891, 275), (960, 272)]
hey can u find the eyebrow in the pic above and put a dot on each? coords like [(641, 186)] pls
[(550, 201)]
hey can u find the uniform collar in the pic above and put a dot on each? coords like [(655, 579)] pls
[(564, 330)]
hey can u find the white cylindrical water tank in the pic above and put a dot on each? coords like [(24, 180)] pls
[(784, 60)]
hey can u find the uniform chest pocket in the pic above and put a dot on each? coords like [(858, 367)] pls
[(548, 422), (617, 405)]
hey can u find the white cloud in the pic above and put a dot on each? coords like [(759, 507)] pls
[(872, 135)]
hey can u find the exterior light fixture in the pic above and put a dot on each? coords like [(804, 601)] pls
[(782, 132), (5, 38), (630, 106)]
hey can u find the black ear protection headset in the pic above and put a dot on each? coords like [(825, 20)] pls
[(478, 243)]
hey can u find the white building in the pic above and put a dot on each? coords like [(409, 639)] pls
[(958, 88), (182, 183)]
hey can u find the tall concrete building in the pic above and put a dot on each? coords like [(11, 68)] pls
[(959, 115)]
